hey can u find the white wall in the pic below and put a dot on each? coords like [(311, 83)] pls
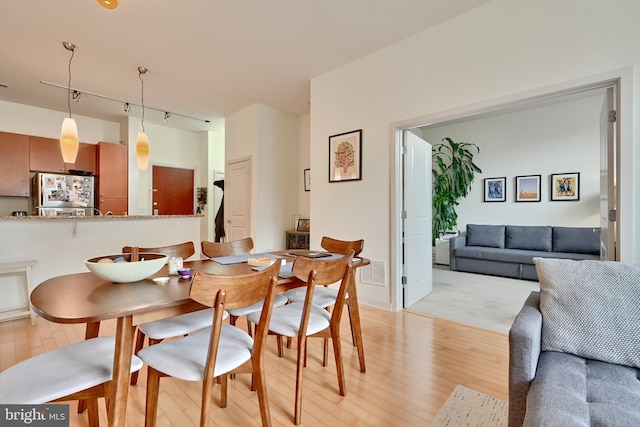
[(304, 162), (500, 49), (559, 138), (270, 138)]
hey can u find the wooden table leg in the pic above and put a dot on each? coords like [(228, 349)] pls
[(355, 319), (121, 371)]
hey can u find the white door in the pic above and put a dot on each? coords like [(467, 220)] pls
[(417, 219), (607, 181), (237, 205)]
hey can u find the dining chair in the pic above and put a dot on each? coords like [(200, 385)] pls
[(238, 247), (220, 349), (303, 319), (172, 326), (326, 296), (80, 371)]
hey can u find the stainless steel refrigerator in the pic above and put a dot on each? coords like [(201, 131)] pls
[(63, 195)]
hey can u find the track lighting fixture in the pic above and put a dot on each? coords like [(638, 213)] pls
[(142, 140), (76, 95), (167, 115), (69, 132), (127, 107)]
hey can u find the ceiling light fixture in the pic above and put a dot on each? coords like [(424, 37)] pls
[(167, 115), (127, 107), (76, 95), (142, 140), (97, 95), (108, 4), (69, 132)]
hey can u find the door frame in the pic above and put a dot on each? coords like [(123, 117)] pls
[(621, 79)]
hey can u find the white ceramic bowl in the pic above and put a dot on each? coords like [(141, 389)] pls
[(124, 272)]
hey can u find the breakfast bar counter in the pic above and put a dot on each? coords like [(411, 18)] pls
[(61, 244)]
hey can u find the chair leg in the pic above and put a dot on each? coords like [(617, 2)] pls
[(92, 412), (259, 380), (224, 384), (205, 403), (249, 327), (337, 351), (279, 340), (353, 332), (153, 388), (139, 344), (302, 351)]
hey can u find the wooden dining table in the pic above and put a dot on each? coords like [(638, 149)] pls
[(86, 298)]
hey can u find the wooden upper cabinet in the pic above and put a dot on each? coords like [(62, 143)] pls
[(14, 165), (45, 156), (113, 171)]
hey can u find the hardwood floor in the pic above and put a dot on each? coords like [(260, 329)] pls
[(413, 364)]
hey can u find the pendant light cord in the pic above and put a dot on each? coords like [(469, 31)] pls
[(142, 97), (73, 51)]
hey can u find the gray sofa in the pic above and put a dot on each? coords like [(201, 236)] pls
[(508, 250), (574, 351)]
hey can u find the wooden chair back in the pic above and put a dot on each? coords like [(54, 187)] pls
[(342, 246), (183, 250), (316, 271), (236, 247)]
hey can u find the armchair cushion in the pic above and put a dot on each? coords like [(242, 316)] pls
[(590, 309)]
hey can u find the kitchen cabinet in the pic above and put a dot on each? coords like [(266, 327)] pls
[(112, 178), (14, 165), (296, 239), (45, 156)]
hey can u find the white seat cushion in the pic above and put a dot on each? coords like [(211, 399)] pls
[(185, 358), (182, 324), (285, 320), (61, 372), (278, 301), (322, 296)]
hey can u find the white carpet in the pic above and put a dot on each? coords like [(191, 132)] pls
[(487, 302), (469, 408)]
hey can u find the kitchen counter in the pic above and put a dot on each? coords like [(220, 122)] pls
[(61, 244)]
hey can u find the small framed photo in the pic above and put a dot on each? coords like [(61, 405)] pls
[(345, 156), (528, 188), (495, 189), (565, 186), (307, 180), (304, 225)]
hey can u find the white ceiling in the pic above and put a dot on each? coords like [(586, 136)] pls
[(206, 58)]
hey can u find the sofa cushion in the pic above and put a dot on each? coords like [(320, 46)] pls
[(590, 309), (491, 236), (581, 240), (571, 390), (531, 237)]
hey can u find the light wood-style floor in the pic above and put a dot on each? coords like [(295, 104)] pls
[(413, 364)]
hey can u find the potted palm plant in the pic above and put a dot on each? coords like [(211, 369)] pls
[(453, 172)]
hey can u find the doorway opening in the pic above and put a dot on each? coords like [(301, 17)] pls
[(541, 97)]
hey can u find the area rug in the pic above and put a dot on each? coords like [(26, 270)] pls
[(469, 408), (479, 300)]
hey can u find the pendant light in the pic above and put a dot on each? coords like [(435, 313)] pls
[(142, 141), (108, 4), (69, 131)]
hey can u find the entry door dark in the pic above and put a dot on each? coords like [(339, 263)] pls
[(173, 191)]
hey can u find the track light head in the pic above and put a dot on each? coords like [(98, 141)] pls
[(127, 107)]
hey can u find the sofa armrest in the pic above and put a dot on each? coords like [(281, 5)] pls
[(454, 243), (524, 351)]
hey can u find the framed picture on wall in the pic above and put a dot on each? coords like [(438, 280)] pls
[(495, 189), (565, 186), (345, 156), (307, 180), (528, 188)]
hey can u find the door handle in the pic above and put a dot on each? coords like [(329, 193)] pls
[(155, 203)]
